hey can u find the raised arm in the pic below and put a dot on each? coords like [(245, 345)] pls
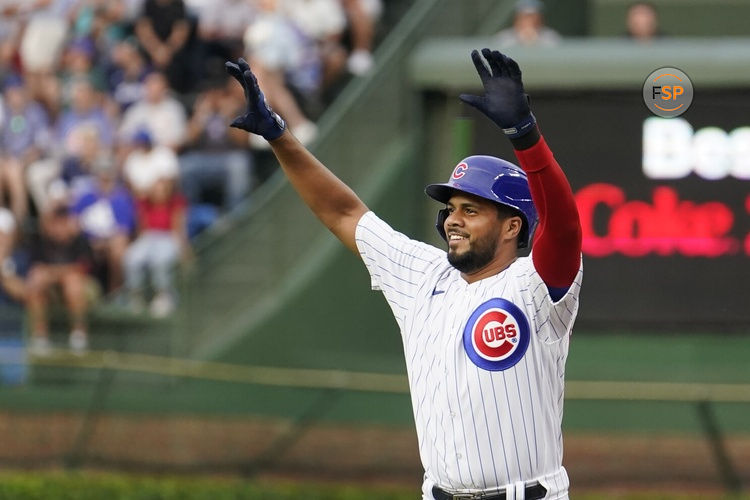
[(332, 201), (557, 241)]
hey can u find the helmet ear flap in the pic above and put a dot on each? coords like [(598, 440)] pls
[(442, 215)]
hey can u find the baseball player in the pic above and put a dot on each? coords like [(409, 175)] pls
[(485, 332)]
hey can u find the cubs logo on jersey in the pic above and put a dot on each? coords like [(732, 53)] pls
[(496, 335)]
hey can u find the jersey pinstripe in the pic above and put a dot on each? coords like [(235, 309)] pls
[(477, 428)]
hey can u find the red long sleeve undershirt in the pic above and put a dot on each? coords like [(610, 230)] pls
[(557, 240)]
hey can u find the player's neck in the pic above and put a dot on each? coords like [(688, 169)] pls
[(496, 266)]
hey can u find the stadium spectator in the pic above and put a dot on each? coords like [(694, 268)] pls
[(46, 28), (158, 112), (79, 63), (362, 16), (164, 31), (45, 33), (161, 242), (13, 268), (279, 53), (86, 149), (60, 259), (127, 74), (642, 22), (86, 108), (106, 214), (148, 162), (25, 138), (216, 158), (528, 27), (56, 176), (323, 22), (105, 22)]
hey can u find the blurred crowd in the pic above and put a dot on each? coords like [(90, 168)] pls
[(114, 144), (529, 28)]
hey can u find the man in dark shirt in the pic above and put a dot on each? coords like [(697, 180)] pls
[(164, 30), (60, 257)]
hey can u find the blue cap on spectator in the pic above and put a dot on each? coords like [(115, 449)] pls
[(143, 137), (13, 80)]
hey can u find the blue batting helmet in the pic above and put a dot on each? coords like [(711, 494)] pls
[(492, 179)]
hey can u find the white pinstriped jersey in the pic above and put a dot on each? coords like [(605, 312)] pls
[(485, 361)]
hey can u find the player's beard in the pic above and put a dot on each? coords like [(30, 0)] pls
[(479, 254)]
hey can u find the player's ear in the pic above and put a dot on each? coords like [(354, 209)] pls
[(512, 226)]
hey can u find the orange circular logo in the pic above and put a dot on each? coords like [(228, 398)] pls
[(668, 92)]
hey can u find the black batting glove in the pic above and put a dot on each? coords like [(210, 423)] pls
[(504, 100), (259, 118)]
